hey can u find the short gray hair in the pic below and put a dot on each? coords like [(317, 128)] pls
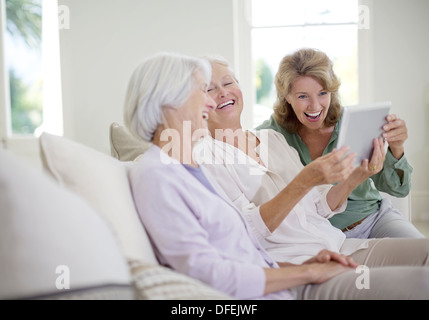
[(163, 80), (218, 59)]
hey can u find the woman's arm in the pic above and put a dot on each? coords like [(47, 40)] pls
[(328, 169), (320, 268), (340, 192), (182, 234), (395, 179)]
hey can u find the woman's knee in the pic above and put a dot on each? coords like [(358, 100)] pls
[(393, 225)]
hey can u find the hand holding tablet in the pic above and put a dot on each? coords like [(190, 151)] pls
[(360, 125)]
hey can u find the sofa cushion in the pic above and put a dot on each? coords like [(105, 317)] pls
[(123, 145), (103, 181), (52, 243), (155, 282)]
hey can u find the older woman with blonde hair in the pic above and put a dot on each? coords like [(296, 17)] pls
[(287, 205), (310, 63), (308, 114)]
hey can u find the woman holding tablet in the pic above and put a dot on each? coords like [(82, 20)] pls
[(308, 113), (264, 178)]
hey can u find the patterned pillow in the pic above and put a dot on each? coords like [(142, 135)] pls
[(108, 292), (155, 282), (123, 145)]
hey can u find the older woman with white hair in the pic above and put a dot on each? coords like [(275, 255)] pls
[(194, 227)]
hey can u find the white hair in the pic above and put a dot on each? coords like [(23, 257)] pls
[(218, 59), (163, 80)]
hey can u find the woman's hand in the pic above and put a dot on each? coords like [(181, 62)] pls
[(341, 191), (370, 167), (325, 256), (395, 133), (320, 268), (329, 169), (322, 272), (327, 264)]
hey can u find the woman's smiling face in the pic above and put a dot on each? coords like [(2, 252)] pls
[(310, 102), (199, 105), (226, 93)]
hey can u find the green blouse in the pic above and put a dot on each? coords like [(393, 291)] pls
[(366, 198)]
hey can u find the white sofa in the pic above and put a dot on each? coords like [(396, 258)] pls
[(72, 231)]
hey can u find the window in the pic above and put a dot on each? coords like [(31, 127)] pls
[(280, 27), (30, 46)]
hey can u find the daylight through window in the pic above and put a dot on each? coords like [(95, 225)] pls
[(31, 50), (280, 27)]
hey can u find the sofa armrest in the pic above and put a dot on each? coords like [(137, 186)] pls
[(103, 182)]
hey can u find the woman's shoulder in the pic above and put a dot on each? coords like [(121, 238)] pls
[(275, 142), (156, 165), (214, 151), (270, 135)]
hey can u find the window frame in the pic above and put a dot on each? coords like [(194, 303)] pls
[(5, 128), (244, 57), (25, 145)]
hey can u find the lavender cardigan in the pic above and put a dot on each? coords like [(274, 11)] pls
[(196, 232)]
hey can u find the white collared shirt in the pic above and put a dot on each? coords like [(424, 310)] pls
[(306, 230)]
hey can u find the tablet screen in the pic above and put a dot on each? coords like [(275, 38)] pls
[(360, 125)]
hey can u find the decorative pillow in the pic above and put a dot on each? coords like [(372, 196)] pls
[(103, 181), (52, 243), (154, 282), (123, 145)]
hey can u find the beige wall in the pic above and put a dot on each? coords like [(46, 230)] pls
[(395, 67), (107, 39)]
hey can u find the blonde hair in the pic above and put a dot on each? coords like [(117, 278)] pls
[(305, 62), (220, 60)]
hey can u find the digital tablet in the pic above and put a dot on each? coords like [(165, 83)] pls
[(360, 125)]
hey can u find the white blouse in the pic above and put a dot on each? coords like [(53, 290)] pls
[(306, 230)]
